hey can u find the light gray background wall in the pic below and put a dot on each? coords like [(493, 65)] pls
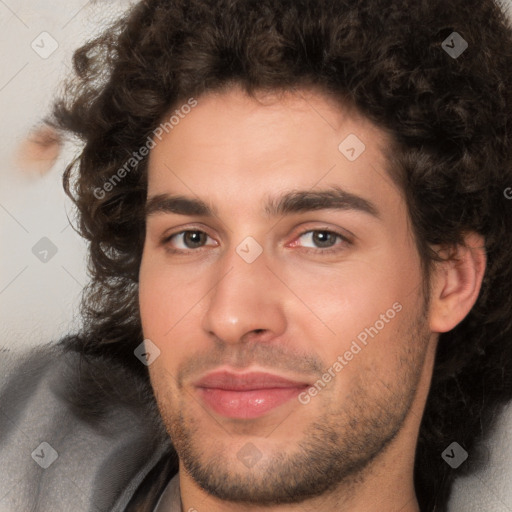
[(39, 300)]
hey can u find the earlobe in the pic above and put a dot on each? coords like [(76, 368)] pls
[(456, 284)]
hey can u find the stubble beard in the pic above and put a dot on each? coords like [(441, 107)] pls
[(335, 450)]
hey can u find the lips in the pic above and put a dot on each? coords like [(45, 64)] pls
[(246, 381), (246, 395)]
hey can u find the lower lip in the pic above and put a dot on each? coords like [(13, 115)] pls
[(246, 404)]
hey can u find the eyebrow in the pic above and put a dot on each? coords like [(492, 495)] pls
[(295, 201)]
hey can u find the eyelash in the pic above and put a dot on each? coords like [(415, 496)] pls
[(328, 250)]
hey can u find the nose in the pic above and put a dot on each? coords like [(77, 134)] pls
[(247, 301)]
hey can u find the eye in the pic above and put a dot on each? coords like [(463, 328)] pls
[(194, 239), (190, 239), (325, 239)]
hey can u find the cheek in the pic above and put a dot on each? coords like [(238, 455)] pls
[(155, 296), (355, 291), (359, 301), (168, 298)]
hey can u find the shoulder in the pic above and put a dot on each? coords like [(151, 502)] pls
[(77, 432), (489, 487)]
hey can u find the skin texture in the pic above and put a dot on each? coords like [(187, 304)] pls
[(293, 310)]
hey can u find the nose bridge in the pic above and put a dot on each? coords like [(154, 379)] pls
[(245, 297)]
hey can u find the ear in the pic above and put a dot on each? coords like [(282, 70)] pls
[(456, 283)]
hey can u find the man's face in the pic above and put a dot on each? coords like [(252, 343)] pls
[(327, 301)]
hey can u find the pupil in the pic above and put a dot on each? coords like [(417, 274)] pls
[(322, 234), (195, 237)]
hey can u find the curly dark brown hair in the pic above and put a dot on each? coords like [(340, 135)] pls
[(450, 119)]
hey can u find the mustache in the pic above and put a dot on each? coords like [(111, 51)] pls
[(240, 356)]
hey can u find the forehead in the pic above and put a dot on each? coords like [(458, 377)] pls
[(232, 149)]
